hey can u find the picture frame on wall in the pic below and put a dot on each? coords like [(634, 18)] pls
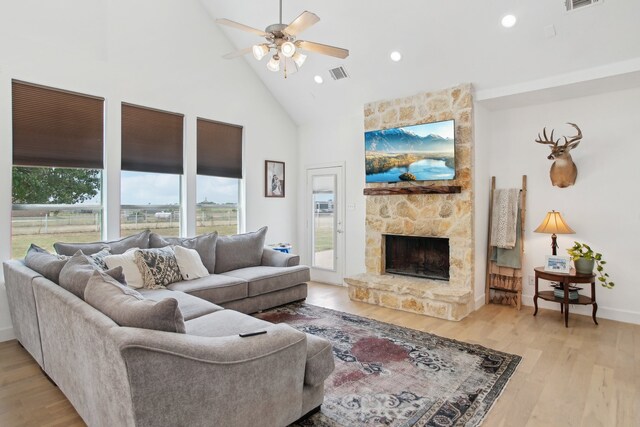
[(557, 264), (274, 178)]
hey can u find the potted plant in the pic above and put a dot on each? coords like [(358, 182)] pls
[(584, 258)]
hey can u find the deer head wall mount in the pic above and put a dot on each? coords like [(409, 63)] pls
[(563, 171)]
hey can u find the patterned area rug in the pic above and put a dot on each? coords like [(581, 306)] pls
[(388, 375)]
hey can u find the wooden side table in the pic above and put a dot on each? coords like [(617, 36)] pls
[(566, 279)]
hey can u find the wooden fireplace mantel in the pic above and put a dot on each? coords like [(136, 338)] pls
[(414, 189)]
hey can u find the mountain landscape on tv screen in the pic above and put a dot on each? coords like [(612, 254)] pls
[(414, 153)]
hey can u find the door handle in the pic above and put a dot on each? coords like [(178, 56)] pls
[(339, 231)]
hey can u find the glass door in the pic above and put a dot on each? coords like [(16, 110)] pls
[(325, 219)]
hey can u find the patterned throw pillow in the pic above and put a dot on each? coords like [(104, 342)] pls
[(159, 267), (98, 258)]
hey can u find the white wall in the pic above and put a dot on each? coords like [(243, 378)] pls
[(341, 142), (602, 207), (158, 53), (481, 187)]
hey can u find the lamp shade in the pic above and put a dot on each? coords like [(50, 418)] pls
[(259, 51), (554, 224), (288, 49), (274, 64)]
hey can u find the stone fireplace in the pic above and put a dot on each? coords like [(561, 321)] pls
[(417, 256), (407, 282)]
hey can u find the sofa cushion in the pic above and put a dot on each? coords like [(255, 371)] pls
[(158, 266), (240, 250), (120, 246), (127, 307), (190, 306), (127, 261), (190, 263), (263, 280), (224, 323), (76, 273), (45, 263), (204, 244), (320, 361), (216, 288)]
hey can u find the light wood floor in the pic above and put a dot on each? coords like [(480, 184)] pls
[(584, 375)]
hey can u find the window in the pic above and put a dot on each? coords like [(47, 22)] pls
[(217, 208), (151, 170), (58, 161), (219, 175)]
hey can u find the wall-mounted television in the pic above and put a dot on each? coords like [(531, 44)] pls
[(424, 152)]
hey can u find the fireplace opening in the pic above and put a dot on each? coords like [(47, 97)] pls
[(425, 257)]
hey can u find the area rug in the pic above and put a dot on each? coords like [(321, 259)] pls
[(388, 375)]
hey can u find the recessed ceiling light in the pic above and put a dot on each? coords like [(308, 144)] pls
[(508, 21), (318, 79), (395, 56)]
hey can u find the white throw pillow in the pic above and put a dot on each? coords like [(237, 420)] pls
[(127, 261), (190, 263)]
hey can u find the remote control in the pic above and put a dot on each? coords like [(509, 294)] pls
[(250, 334)]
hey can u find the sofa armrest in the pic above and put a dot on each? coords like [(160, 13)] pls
[(229, 381), (273, 258)]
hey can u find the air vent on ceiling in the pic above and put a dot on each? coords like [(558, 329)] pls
[(578, 4), (338, 73)]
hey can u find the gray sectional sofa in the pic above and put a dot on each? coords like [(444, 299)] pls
[(207, 376)]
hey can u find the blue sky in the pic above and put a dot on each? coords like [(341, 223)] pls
[(444, 129), (139, 188)]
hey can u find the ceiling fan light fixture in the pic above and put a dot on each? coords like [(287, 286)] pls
[(299, 58), (274, 64), (288, 49), (259, 51)]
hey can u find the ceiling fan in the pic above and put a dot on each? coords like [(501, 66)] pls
[(281, 38)]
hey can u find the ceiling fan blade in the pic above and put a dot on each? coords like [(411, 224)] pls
[(324, 49), (239, 26), (301, 23), (237, 53)]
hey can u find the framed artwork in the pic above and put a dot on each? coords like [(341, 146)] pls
[(557, 264), (274, 178)]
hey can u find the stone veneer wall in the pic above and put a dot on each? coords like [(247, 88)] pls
[(433, 215)]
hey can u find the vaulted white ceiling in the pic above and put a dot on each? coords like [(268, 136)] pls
[(443, 42)]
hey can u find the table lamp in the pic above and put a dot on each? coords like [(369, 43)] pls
[(552, 224)]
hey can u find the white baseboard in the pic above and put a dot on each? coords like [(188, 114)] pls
[(625, 316), (479, 301), (7, 334)]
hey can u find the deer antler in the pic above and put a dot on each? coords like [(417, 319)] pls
[(547, 140), (573, 139)]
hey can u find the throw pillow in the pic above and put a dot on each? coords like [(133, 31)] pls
[(159, 267), (98, 258), (43, 262), (117, 247), (79, 269), (127, 307), (205, 244), (127, 261), (189, 263), (240, 250)]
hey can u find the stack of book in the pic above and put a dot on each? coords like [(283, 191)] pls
[(558, 291)]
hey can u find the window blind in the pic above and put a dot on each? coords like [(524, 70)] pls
[(219, 149), (56, 128), (151, 140)]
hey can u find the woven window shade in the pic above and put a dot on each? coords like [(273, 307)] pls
[(151, 140), (56, 128), (219, 149)]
